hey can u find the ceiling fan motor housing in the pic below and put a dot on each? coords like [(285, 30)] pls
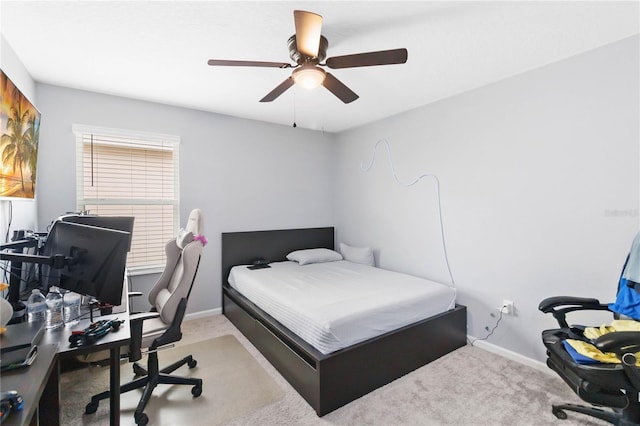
[(300, 58)]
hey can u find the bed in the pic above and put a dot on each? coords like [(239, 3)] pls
[(328, 379)]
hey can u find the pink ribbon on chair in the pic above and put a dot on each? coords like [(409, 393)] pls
[(201, 238)]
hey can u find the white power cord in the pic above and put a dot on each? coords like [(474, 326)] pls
[(416, 180)]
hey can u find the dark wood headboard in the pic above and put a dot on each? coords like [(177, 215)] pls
[(242, 248)]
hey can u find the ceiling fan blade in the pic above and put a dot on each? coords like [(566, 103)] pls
[(282, 87), (226, 63), (338, 88), (382, 57), (308, 28)]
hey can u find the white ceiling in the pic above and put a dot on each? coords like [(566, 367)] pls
[(158, 51)]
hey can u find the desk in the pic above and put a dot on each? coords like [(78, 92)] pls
[(40, 381), (38, 385)]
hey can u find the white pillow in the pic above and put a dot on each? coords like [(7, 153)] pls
[(318, 255), (362, 255)]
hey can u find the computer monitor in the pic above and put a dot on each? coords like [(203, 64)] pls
[(96, 260), (121, 223)]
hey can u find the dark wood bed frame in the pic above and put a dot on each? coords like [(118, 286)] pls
[(330, 381)]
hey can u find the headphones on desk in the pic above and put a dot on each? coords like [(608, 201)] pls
[(95, 331)]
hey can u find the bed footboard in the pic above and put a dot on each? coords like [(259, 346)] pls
[(365, 367), (328, 382)]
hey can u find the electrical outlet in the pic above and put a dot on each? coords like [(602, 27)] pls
[(507, 307)]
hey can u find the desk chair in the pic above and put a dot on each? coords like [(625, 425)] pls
[(614, 386), (161, 327)]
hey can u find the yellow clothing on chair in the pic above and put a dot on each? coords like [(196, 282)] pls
[(616, 325), (590, 351)]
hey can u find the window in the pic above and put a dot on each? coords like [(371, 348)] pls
[(128, 173)]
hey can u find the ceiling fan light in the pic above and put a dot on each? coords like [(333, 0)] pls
[(309, 76)]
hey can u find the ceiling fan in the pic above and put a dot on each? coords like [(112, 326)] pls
[(308, 48)]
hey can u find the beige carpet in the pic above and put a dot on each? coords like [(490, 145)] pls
[(234, 386), (468, 387)]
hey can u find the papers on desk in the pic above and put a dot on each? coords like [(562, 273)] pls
[(18, 345)]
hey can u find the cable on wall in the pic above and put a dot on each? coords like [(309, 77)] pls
[(411, 183), (6, 237), (490, 331)]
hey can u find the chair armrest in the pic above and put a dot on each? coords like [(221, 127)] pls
[(560, 306), (625, 344), (551, 302), (619, 342), (170, 335), (142, 316), (135, 344)]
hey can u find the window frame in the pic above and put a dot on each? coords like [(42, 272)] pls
[(136, 139)]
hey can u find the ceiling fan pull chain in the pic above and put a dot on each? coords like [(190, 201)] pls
[(294, 110)]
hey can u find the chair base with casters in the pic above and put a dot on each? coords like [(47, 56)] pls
[(617, 417), (152, 376), (613, 389), (149, 380)]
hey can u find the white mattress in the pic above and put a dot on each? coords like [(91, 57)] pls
[(337, 304)]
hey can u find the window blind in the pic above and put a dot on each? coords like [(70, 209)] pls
[(122, 173)]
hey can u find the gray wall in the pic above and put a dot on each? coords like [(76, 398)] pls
[(244, 174), (539, 181)]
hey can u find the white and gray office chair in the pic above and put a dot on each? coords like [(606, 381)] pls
[(161, 327)]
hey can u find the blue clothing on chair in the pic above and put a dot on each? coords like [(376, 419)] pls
[(628, 299), (627, 302), (577, 356)]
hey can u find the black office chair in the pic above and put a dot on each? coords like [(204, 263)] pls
[(614, 386), (161, 327)]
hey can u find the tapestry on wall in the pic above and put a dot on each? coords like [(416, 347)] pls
[(20, 126)]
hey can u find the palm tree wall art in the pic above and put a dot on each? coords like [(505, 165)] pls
[(20, 126)]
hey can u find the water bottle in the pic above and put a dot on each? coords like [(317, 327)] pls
[(72, 302), (54, 308), (36, 306)]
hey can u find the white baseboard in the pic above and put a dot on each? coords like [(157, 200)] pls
[(203, 314), (514, 356)]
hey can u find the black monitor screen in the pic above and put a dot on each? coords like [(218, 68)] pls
[(98, 260), (121, 223)]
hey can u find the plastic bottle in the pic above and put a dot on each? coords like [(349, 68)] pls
[(36, 306), (72, 302), (54, 308)]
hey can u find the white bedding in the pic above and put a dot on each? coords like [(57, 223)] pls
[(337, 304)]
